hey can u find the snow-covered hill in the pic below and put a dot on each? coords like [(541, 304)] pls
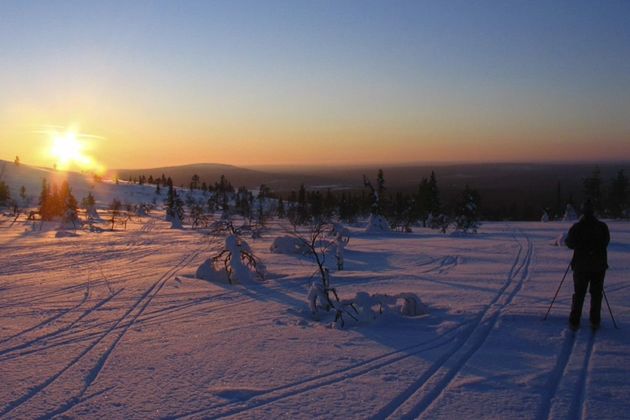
[(16, 176)]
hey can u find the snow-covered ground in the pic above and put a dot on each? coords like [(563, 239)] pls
[(115, 325)]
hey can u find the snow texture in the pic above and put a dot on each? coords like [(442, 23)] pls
[(116, 325)]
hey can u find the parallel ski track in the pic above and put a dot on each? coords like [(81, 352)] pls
[(420, 397), (306, 385), (576, 407), (481, 326), (58, 332), (139, 307)]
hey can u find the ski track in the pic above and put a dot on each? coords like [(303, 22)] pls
[(483, 323), (556, 375), (141, 304), (553, 402), (577, 405), (51, 335), (420, 397), (293, 389)]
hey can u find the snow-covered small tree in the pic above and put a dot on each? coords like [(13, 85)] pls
[(545, 217), (570, 214), (467, 212), (321, 294), (235, 263), (5, 194)]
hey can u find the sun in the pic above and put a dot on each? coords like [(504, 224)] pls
[(71, 150), (66, 149)]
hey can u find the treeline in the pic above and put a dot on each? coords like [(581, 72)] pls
[(195, 183), (400, 210)]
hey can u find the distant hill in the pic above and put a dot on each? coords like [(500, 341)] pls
[(211, 172)]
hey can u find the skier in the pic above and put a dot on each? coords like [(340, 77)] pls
[(588, 239)]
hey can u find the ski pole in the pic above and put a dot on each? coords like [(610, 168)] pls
[(609, 310), (556, 295)]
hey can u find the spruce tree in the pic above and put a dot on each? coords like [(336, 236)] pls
[(618, 197), (467, 212), (593, 189), (5, 194)]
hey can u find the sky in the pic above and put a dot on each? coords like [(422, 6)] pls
[(154, 83)]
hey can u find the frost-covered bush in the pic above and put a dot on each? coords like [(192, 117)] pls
[(290, 245), (467, 214), (376, 224), (371, 306), (545, 217), (236, 263), (570, 214)]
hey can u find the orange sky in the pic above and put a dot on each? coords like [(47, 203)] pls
[(157, 85)]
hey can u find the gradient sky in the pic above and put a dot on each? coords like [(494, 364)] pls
[(277, 82)]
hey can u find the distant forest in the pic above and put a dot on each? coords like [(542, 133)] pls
[(412, 193)]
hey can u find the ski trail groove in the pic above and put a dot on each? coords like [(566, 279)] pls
[(420, 396), (46, 321), (61, 330), (95, 370), (556, 375), (577, 404), (299, 387)]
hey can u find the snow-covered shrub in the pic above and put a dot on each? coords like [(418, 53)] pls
[(376, 224), (545, 217), (467, 213), (141, 210), (92, 214), (289, 245), (236, 263), (371, 306), (570, 214), (70, 220)]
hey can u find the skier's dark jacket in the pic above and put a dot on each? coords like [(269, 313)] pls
[(589, 238)]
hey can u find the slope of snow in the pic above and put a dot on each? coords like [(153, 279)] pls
[(115, 324)]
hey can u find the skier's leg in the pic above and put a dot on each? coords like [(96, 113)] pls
[(596, 289), (580, 285)]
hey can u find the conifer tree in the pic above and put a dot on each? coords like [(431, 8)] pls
[(5, 194), (618, 197), (593, 189), (467, 211)]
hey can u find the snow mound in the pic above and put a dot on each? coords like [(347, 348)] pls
[(402, 304), (209, 272), (289, 245), (377, 224)]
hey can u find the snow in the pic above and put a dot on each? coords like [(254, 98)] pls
[(118, 324), (376, 224)]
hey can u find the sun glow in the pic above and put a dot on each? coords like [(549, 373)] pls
[(70, 151)]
